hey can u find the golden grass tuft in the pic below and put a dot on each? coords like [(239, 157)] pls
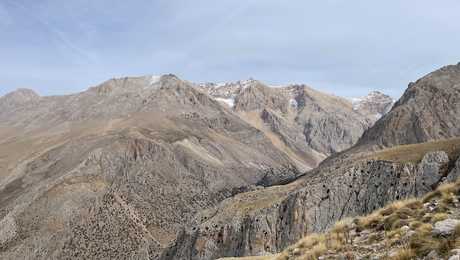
[(404, 254), (439, 217)]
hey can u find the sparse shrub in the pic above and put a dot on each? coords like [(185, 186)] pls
[(439, 217), (425, 228), (448, 188), (317, 251), (415, 224), (414, 204), (445, 246), (370, 221), (427, 218), (394, 233), (342, 230), (404, 254), (434, 194), (387, 211), (423, 243), (390, 221), (405, 213), (447, 199)]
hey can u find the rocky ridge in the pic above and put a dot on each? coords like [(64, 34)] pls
[(428, 110), (307, 124)]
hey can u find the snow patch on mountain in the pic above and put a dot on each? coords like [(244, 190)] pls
[(229, 101)]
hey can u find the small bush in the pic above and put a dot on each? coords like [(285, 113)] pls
[(415, 224), (422, 243), (447, 199), (316, 251), (414, 204), (439, 217), (404, 254), (434, 194), (370, 221)]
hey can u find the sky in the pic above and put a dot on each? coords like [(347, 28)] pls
[(347, 47)]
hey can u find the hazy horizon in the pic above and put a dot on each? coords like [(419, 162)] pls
[(56, 47)]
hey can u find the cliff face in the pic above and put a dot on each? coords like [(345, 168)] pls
[(269, 220), (418, 228)]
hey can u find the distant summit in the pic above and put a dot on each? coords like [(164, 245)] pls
[(374, 105)]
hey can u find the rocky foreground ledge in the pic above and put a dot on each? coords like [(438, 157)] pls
[(426, 228)]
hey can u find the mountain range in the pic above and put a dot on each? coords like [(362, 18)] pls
[(156, 167)]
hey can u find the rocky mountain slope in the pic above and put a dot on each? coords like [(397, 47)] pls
[(268, 220), (427, 111), (307, 124), (353, 183), (425, 228), (118, 170)]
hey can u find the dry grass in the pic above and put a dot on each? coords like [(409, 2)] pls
[(439, 217), (404, 254), (415, 152)]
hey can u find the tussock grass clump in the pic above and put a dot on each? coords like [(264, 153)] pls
[(404, 254), (423, 243), (447, 199), (369, 221), (432, 195), (439, 217), (311, 240), (415, 224)]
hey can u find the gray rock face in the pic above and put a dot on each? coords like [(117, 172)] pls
[(445, 227), (432, 169), (427, 111), (268, 220)]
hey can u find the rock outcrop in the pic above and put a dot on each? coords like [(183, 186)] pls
[(267, 221)]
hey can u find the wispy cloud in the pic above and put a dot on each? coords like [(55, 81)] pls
[(61, 36)]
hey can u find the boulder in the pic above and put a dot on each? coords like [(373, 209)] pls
[(445, 227)]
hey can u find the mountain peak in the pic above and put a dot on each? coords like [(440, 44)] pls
[(375, 104), (20, 96), (428, 110)]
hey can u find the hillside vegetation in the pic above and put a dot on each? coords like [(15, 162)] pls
[(415, 152)]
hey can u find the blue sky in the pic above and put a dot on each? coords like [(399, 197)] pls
[(343, 47)]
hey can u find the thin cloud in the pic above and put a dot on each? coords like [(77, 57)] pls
[(57, 33)]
